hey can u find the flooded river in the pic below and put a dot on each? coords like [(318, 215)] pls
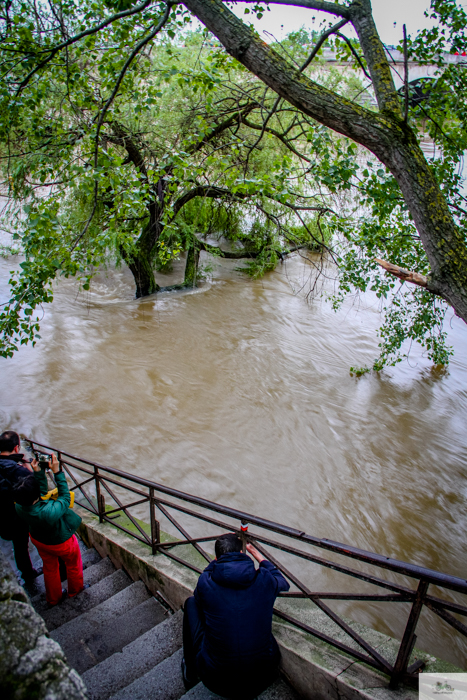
[(240, 392)]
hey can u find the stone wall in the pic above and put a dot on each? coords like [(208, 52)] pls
[(32, 666)]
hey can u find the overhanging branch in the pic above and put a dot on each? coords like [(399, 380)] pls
[(327, 107), (403, 274), (318, 5)]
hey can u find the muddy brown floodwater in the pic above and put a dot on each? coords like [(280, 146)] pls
[(240, 392)]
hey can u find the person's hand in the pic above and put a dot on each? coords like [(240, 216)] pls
[(35, 465), (254, 553), (26, 463), (54, 464)]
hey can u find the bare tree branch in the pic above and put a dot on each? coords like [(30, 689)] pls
[(406, 77), (403, 274), (325, 35), (355, 54)]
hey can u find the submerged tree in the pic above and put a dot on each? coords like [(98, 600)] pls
[(133, 179), (409, 215)]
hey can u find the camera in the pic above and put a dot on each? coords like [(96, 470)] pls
[(44, 460)]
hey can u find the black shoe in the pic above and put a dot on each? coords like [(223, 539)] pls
[(187, 682)]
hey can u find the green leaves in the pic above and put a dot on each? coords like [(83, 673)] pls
[(184, 150)]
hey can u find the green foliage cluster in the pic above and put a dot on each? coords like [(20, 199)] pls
[(106, 158)]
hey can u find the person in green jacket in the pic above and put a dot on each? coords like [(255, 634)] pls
[(52, 527)]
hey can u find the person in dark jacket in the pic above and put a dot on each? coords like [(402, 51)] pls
[(227, 626), (52, 526), (14, 467)]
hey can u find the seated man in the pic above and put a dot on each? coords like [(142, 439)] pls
[(52, 525), (14, 467), (227, 637)]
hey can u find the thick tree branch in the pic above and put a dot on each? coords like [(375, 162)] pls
[(392, 141), (229, 254), (210, 191), (361, 17), (403, 274), (215, 192), (327, 107), (318, 5)]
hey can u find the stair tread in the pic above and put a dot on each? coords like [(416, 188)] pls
[(279, 690), (86, 600), (164, 682), (94, 573), (90, 557), (109, 626), (125, 630), (135, 659)]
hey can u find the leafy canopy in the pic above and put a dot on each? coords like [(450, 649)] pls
[(90, 141)]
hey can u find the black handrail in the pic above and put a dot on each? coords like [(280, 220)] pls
[(454, 583), (104, 476)]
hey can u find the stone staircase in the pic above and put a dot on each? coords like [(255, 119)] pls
[(125, 644)]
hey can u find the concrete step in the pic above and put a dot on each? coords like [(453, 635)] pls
[(91, 575), (279, 690), (90, 557), (106, 629), (135, 659), (126, 629), (164, 682), (87, 599)]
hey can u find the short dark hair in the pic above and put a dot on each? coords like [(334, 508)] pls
[(8, 441), (26, 490), (228, 543)]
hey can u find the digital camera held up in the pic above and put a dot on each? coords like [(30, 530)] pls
[(44, 460)]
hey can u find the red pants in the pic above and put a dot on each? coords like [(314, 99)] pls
[(70, 553)]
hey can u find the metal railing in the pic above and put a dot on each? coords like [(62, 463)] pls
[(105, 481)]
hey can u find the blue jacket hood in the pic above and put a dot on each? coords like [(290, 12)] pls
[(233, 570)]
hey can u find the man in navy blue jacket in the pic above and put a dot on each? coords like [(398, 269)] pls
[(227, 626), (13, 468)]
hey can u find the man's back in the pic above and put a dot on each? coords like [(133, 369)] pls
[(237, 601), (10, 473)]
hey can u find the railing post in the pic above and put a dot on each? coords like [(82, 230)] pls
[(408, 640), (99, 496), (155, 524), (244, 530)]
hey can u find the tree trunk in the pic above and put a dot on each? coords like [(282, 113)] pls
[(141, 259), (391, 140), (191, 267), (143, 274)]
